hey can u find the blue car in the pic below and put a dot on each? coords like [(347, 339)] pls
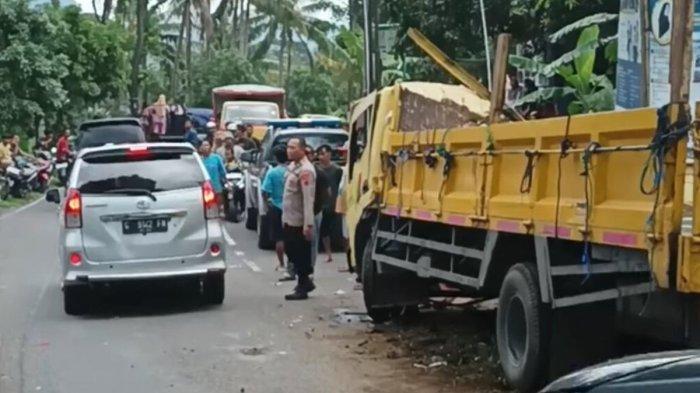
[(199, 118)]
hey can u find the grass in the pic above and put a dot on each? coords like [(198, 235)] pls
[(13, 203)]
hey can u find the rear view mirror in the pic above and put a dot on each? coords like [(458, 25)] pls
[(53, 196)]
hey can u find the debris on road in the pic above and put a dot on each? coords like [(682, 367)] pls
[(253, 351)]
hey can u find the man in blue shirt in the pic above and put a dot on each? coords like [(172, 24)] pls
[(273, 191), (191, 135)]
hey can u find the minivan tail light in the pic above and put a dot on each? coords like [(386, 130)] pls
[(73, 209), (211, 205)]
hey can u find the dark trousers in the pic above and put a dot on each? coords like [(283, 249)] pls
[(298, 250)]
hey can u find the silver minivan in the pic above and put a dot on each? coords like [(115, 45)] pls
[(139, 212)]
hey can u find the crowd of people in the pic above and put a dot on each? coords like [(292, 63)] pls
[(11, 149), (301, 192)]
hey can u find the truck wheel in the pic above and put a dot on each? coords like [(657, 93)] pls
[(251, 220), (214, 288), (76, 299), (369, 288), (521, 323)]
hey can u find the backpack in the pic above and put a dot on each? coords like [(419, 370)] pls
[(321, 195)]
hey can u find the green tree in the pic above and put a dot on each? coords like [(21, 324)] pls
[(311, 93), (289, 21), (220, 68)]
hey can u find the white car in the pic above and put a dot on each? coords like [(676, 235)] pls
[(139, 212)]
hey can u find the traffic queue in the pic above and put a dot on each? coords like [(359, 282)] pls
[(124, 216)]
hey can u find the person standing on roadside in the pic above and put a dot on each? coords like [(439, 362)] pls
[(191, 136), (5, 152), (329, 217), (321, 194), (215, 167), (298, 216), (273, 192)]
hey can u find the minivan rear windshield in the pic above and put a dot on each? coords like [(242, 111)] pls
[(162, 173), (117, 134)]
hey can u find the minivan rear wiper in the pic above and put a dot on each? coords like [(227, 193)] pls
[(132, 191)]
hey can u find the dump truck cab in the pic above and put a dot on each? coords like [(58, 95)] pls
[(409, 105)]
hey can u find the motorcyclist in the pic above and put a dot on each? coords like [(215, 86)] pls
[(63, 150)]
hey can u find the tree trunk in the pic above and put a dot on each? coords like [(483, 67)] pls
[(235, 36), (207, 22), (137, 57), (174, 74), (246, 31), (106, 10), (283, 47), (241, 24), (290, 46), (188, 51)]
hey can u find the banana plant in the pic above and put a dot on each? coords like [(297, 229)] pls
[(586, 91)]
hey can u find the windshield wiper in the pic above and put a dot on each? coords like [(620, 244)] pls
[(132, 191)]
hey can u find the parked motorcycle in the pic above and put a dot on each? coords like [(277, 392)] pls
[(235, 195), (19, 179), (4, 187)]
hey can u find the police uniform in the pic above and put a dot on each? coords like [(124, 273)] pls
[(298, 213)]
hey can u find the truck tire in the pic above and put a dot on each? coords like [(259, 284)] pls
[(251, 219), (369, 291), (214, 288), (521, 328), (76, 299)]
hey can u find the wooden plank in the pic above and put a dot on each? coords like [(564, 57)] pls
[(449, 65), (499, 78), (681, 50)]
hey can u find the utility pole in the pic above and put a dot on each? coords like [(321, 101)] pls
[(368, 47)]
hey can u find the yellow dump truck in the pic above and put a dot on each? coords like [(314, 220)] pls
[(574, 224)]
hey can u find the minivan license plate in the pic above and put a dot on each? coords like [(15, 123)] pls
[(144, 226)]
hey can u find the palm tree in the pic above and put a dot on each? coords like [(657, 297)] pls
[(290, 22)]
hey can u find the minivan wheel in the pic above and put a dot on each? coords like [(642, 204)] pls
[(214, 288), (76, 299), (521, 328)]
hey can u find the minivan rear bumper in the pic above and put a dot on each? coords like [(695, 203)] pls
[(80, 276)]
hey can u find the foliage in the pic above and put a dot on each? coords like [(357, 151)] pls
[(311, 93), (345, 63), (222, 67), (586, 91), (86, 66)]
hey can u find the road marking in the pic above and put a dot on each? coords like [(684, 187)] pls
[(228, 238), (21, 209), (252, 265)]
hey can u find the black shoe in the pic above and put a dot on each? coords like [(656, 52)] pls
[(287, 278), (296, 296), (306, 285)]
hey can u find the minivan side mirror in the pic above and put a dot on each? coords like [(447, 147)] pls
[(53, 196)]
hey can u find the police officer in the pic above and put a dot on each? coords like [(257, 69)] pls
[(298, 216)]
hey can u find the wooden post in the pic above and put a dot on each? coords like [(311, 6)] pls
[(644, 23), (499, 78), (681, 50)]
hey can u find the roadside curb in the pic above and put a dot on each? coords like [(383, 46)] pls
[(13, 212)]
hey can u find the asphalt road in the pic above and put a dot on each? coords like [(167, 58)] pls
[(160, 339)]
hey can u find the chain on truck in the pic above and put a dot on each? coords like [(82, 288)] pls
[(574, 224)]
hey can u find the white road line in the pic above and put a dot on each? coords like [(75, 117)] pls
[(228, 238), (21, 209), (252, 265)]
